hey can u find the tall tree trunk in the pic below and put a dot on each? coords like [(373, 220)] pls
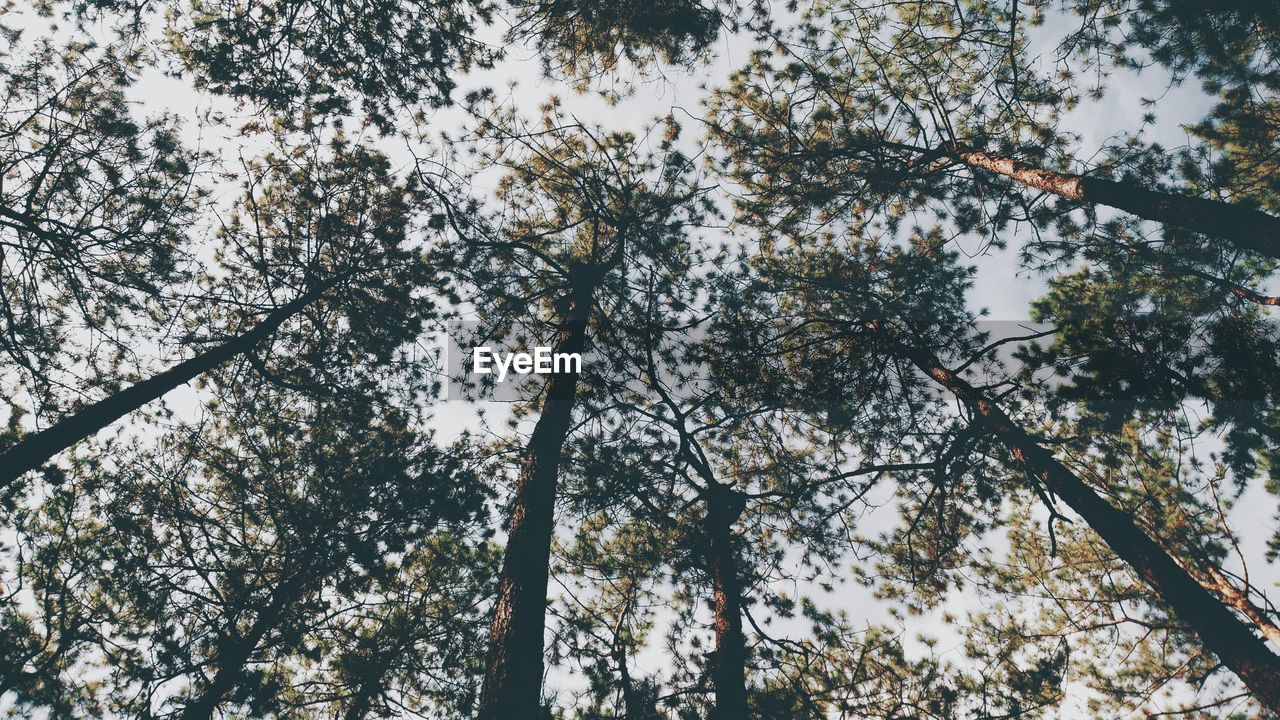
[(513, 664), (1245, 227), (1221, 631), (729, 673), (36, 449)]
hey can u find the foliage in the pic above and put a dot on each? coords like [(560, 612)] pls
[(782, 484)]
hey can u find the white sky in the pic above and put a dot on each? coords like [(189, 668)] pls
[(999, 286)]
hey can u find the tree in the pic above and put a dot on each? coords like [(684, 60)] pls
[(585, 41), (313, 61), (309, 61), (1246, 227), (304, 524), (601, 627), (841, 300), (721, 464), (93, 214), (753, 433), (582, 210), (1126, 646), (714, 483), (873, 131), (897, 136), (320, 227), (1229, 44), (240, 551)]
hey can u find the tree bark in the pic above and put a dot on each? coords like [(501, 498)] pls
[(37, 448), (1231, 594), (729, 672), (631, 706), (1247, 228), (1221, 631), (513, 664)]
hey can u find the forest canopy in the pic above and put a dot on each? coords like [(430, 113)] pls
[(854, 359)]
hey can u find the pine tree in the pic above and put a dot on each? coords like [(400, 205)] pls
[(351, 251), (584, 211), (840, 298), (93, 216)]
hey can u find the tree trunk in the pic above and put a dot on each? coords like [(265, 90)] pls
[(513, 665), (37, 448), (1220, 631), (1247, 228), (729, 671), (632, 707)]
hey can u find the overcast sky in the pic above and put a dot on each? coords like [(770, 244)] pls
[(1000, 287)]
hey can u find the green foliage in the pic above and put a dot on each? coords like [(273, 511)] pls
[(1130, 653), (835, 125), (94, 210), (1227, 44), (579, 209), (306, 60), (844, 672), (752, 430), (585, 40), (234, 556), (314, 213)]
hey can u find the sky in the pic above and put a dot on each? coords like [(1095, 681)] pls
[(1001, 286)]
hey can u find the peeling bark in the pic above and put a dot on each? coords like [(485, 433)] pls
[(1247, 228), (1231, 594)]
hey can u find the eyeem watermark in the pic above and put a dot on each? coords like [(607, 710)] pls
[(473, 364), (542, 361)]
